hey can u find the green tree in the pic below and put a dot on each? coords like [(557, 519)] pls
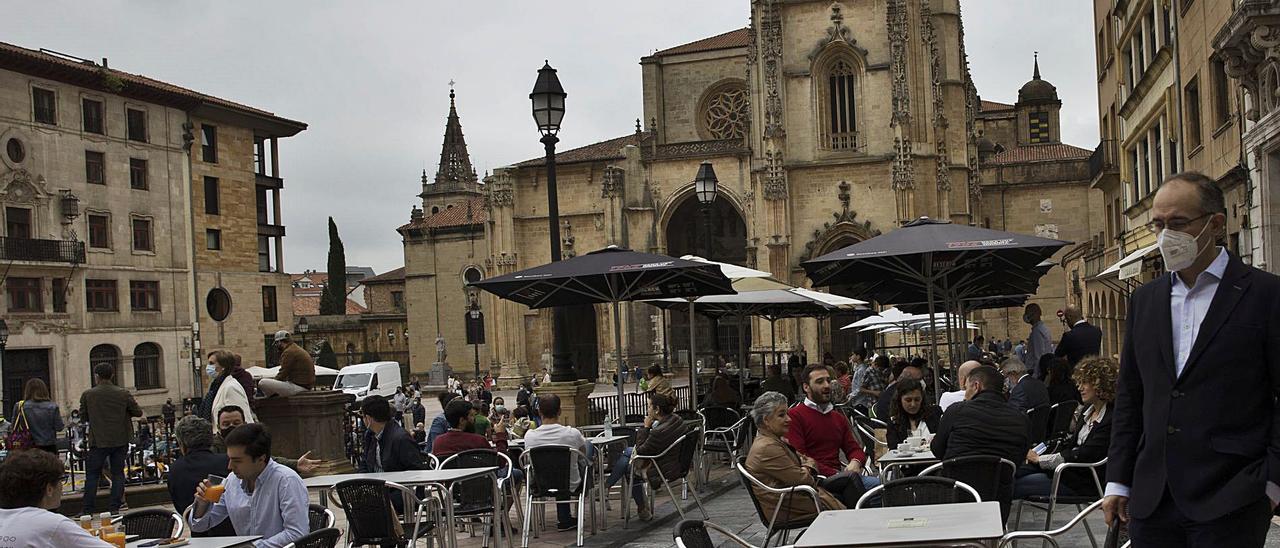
[(334, 298), (327, 357)]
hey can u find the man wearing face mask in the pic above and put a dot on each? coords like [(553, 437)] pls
[(230, 417), (1195, 446), (1039, 342)]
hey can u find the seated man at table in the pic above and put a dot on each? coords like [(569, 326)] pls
[(261, 496), (820, 432), (775, 382), (983, 424), (903, 373), (198, 461), (30, 494), (462, 415), (553, 433), (772, 461), (387, 447)]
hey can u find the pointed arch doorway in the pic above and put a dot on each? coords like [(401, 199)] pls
[(686, 235)]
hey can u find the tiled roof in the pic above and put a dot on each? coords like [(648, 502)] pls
[(310, 306), (732, 39), (603, 150), (92, 75), (454, 216), (1039, 153), (389, 276), (993, 105)]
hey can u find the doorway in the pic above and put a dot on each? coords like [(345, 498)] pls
[(19, 367), (687, 235), (580, 321)]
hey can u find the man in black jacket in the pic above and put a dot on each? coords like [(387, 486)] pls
[(195, 437), (387, 447), (1084, 339), (1025, 391), (983, 424)]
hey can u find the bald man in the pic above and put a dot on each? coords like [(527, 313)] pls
[(962, 376), (1083, 339)]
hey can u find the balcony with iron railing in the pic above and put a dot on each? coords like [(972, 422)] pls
[(41, 251), (1105, 160)]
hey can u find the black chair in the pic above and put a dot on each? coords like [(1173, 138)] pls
[(1054, 498), (320, 538), (991, 477), (769, 518), (547, 475), (474, 498), (372, 518), (1039, 427), (920, 490), (687, 414), (693, 533), (1051, 536), (319, 517), (153, 523), (1060, 415), (864, 428)]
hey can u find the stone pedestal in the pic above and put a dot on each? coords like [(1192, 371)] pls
[(309, 421), (439, 374), (574, 400)]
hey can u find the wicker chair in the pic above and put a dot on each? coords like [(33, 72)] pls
[(547, 475), (372, 517), (919, 491), (319, 517), (320, 538), (991, 477), (153, 523), (693, 533)]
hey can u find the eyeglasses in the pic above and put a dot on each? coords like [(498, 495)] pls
[(1175, 223)]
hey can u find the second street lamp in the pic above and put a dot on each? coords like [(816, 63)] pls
[(705, 187), (548, 110)]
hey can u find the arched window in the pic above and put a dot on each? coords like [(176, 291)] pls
[(838, 103), (146, 367), (104, 353)]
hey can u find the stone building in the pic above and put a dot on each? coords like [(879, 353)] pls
[(826, 122), (105, 257), (1165, 104)]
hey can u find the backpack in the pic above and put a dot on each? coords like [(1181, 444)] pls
[(19, 438)]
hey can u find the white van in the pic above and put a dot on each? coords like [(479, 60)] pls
[(373, 378)]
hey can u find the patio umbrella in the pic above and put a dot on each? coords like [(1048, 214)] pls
[(609, 275), (926, 256)]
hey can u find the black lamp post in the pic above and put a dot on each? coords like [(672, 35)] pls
[(548, 110), (4, 339), (302, 330), (473, 310), (704, 186)]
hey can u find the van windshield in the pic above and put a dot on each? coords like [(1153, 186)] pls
[(353, 380)]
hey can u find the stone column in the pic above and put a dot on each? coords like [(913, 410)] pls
[(574, 400), (309, 421)]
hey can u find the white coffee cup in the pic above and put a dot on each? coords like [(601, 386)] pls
[(915, 441), (905, 448)]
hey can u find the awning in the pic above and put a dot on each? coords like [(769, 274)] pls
[(1131, 265)]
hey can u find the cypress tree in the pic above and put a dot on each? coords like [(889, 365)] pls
[(334, 298)]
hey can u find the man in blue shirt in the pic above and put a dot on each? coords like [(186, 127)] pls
[(261, 497)]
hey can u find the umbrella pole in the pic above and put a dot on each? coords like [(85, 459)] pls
[(773, 343), (693, 360), (933, 338), (742, 359), (617, 355)]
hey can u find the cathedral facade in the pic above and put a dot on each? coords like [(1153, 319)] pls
[(827, 123)]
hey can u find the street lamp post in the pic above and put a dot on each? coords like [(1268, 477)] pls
[(4, 340), (473, 310), (302, 329), (548, 110), (704, 186)]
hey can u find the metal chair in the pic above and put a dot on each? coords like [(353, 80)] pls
[(153, 523), (319, 517), (474, 498), (723, 432), (1054, 499), (555, 463), (991, 477), (685, 447), (320, 538), (1060, 415), (1050, 536), (864, 428), (372, 517), (1039, 423), (770, 519), (920, 490), (693, 533)]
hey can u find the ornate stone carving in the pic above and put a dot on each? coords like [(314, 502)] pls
[(771, 52), (1249, 45), (501, 193), (974, 179), (566, 240), (611, 182), (900, 120), (837, 32), (844, 223), (775, 176), (726, 113), (696, 149), (928, 36)]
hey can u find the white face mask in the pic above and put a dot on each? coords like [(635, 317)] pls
[(1179, 249), (211, 370)]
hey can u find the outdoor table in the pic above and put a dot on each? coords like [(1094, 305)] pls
[(892, 459), (206, 542), (600, 442), (974, 523), (440, 479)]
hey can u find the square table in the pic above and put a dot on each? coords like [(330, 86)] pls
[(975, 523), (440, 479), (207, 542), (892, 459)]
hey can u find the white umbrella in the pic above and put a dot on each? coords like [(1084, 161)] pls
[(885, 317), (829, 299), (269, 372)]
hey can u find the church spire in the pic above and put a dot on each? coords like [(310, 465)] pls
[(1035, 76), (455, 162)]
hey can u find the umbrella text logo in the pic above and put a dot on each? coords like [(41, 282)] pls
[(978, 243)]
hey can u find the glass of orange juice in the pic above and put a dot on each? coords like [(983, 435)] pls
[(213, 493), (116, 539)]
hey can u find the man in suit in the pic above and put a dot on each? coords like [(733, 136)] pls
[(1025, 391), (387, 447), (1083, 339), (1195, 445)]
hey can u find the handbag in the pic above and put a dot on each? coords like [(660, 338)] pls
[(19, 438)]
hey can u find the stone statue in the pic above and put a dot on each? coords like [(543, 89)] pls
[(441, 353)]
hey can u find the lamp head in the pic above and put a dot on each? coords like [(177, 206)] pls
[(548, 101), (705, 184)]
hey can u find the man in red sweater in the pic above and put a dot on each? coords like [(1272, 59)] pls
[(461, 415), (821, 433)]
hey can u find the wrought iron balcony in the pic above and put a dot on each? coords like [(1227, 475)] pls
[(45, 251), (1104, 159)]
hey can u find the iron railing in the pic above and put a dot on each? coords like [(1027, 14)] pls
[(1105, 159), (49, 251)]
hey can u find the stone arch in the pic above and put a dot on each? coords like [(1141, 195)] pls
[(724, 110), (669, 207)]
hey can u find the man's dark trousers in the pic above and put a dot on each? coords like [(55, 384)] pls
[(1167, 527), (97, 458)]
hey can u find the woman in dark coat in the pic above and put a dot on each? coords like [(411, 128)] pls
[(1089, 441), (908, 412)]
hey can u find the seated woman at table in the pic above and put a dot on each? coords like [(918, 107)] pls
[(772, 461), (909, 416), (722, 394), (660, 431), (1089, 442), (30, 493)]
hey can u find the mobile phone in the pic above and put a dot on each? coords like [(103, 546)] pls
[(1040, 448), (153, 543)]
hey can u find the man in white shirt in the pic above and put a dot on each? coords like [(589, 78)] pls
[(551, 432), (30, 488), (962, 378)]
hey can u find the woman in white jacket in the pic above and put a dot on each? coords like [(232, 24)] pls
[(227, 387)]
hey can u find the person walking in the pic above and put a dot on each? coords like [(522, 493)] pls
[(1039, 342), (1193, 459), (170, 415), (41, 416), (1083, 339), (109, 409)]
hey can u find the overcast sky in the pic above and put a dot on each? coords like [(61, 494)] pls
[(372, 82)]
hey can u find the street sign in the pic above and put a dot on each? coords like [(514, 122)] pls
[(475, 327)]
